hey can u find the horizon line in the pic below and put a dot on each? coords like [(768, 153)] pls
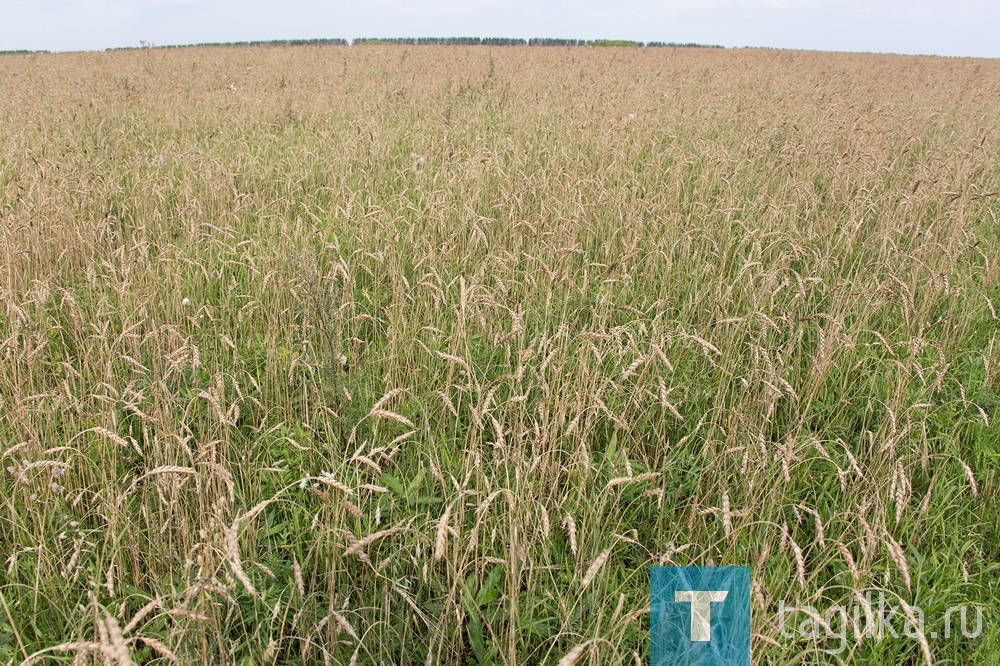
[(517, 42)]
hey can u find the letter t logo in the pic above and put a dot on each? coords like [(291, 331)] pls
[(701, 611)]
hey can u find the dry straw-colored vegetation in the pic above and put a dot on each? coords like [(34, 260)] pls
[(425, 355)]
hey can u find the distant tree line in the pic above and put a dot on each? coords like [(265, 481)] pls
[(302, 42), (440, 41), (511, 41), (420, 41), (685, 45), (414, 41), (268, 42)]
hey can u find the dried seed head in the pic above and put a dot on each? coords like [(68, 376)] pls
[(595, 567)]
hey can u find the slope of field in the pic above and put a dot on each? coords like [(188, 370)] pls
[(426, 354)]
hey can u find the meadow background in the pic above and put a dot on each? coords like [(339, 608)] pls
[(395, 354)]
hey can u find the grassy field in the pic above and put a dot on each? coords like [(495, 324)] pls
[(417, 355)]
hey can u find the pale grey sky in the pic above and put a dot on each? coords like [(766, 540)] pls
[(956, 27)]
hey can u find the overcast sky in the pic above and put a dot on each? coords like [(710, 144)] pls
[(956, 27)]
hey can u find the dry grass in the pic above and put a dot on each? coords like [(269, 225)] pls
[(425, 355)]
